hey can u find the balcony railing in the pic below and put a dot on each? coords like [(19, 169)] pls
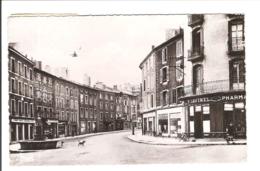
[(196, 53), (195, 19), (210, 87)]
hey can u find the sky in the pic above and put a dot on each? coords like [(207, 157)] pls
[(109, 48)]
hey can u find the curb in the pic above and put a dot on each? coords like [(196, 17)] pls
[(185, 143)]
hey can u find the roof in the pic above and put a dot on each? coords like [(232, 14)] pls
[(162, 45)]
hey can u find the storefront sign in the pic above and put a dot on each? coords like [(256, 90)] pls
[(23, 121), (217, 98), (163, 116), (52, 121)]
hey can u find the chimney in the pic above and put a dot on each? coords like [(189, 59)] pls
[(153, 47), (115, 87)]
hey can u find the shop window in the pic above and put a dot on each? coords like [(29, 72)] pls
[(191, 126), (175, 125), (206, 109), (206, 126), (191, 108), (163, 125), (238, 75)]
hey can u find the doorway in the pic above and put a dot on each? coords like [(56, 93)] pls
[(198, 125)]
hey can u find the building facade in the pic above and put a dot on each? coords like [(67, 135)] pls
[(46, 118), (148, 93), (170, 86), (21, 97), (215, 94), (66, 97), (162, 86), (88, 109)]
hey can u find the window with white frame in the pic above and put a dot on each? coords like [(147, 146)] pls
[(31, 109), (31, 91), (31, 74), (237, 33), (179, 70), (13, 107), (20, 68), (20, 87), (12, 85), (164, 74), (164, 55), (13, 69), (25, 71), (179, 48), (25, 108), (164, 98), (19, 108)]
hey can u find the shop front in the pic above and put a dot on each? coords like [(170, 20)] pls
[(209, 115), (149, 126), (170, 121), (62, 129), (21, 129)]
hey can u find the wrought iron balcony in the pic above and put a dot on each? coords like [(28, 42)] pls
[(195, 19), (196, 53), (210, 87)]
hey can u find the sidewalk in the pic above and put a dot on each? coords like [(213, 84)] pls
[(146, 139)]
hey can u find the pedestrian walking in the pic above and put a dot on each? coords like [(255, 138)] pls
[(230, 133)]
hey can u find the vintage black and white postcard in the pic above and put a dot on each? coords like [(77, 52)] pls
[(93, 84)]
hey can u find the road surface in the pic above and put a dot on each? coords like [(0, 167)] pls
[(116, 148)]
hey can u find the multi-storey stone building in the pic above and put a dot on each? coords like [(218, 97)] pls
[(215, 94), (107, 110), (148, 93), (169, 85), (21, 98), (46, 117), (163, 79), (88, 109), (66, 97)]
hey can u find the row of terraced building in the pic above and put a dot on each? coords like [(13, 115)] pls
[(42, 105)]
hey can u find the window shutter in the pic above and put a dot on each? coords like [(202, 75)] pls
[(167, 73), (166, 55), (160, 75)]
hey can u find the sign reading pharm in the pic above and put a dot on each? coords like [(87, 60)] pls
[(217, 98)]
